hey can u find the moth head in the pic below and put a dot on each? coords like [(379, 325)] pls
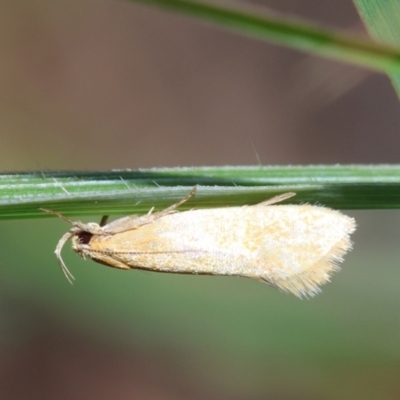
[(80, 234), (81, 238)]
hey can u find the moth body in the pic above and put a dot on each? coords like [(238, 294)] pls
[(295, 248)]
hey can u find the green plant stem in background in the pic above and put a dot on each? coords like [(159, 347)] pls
[(382, 19), (292, 33), (129, 192)]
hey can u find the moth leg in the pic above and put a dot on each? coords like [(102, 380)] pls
[(134, 221), (110, 261), (150, 211), (277, 199), (103, 220), (172, 208)]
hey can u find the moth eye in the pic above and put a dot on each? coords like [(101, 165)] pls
[(84, 237)]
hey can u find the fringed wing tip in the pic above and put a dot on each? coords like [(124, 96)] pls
[(306, 284)]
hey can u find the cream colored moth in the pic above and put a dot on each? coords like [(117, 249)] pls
[(295, 248)]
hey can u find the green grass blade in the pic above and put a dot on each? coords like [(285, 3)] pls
[(292, 33), (128, 192), (382, 19)]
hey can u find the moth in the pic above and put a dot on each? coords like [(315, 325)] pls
[(295, 248)]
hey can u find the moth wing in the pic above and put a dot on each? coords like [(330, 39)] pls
[(304, 246), (295, 248)]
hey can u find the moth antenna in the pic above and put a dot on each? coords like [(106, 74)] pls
[(57, 215), (59, 247)]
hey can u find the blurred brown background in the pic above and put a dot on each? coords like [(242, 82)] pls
[(109, 84)]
